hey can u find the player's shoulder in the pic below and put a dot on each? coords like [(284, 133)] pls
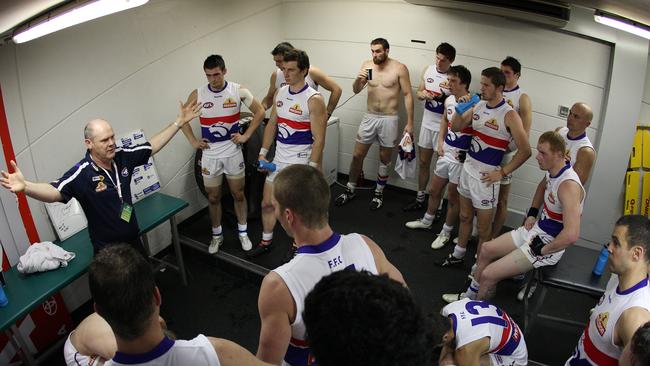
[(398, 64)]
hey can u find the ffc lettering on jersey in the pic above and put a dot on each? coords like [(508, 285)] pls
[(208, 105), (311, 263)]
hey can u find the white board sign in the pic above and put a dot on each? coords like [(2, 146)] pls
[(67, 218)]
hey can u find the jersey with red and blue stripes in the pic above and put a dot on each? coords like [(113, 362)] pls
[(435, 82), (596, 345), (455, 142), (474, 320), (294, 139), (490, 137), (552, 220), (219, 118)]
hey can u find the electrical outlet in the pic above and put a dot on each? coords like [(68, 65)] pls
[(563, 111)]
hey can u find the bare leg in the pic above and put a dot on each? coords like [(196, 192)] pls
[(453, 205), (512, 264), (425, 156), (214, 204), (360, 152), (236, 186), (385, 153), (484, 224), (493, 250), (436, 189), (502, 210), (268, 216), (466, 218)]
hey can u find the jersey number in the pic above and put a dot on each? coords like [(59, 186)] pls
[(472, 306)]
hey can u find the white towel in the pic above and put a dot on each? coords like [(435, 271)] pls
[(45, 256)]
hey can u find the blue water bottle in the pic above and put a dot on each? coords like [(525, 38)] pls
[(3, 298), (270, 166), (599, 267)]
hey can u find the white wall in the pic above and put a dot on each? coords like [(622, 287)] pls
[(130, 68), (644, 116), (552, 73)]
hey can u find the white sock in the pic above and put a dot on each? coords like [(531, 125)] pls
[(459, 252), (216, 231), (351, 186), (242, 228), (267, 236), (447, 229), (427, 219), (472, 290)]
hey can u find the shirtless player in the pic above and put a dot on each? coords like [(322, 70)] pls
[(388, 80)]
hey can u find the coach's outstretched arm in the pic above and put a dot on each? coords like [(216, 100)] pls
[(16, 182), (186, 113)]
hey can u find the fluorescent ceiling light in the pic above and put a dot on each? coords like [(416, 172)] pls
[(87, 12), (623, 24)]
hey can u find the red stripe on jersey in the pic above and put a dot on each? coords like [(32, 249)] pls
[(295, 124), (209, 121), (554, 215), (468, 130), (596, 355), (299, 342), (505, 335), (492, 141)]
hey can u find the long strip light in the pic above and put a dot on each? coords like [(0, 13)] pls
[(623, 24), (87, 12)]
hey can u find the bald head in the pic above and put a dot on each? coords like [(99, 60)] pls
[(579, 118), (583, 110), (95, 125), (100, 141)]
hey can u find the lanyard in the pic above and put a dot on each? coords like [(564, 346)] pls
[(117, 176)]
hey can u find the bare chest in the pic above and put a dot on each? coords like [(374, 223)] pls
[(384, 79)]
